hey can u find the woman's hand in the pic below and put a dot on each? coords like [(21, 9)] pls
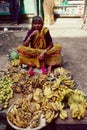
[(42, 55), (34, 33), (26, 43)]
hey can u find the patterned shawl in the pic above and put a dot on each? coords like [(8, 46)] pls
[(39, 41)]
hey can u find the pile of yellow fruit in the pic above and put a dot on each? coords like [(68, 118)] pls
[(46, 95)]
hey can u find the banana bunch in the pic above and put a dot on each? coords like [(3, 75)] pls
[(78, 104), (38, 94), (49, 116), (48, 93), (63, 114), (35, 121), (15, 62), (57, 106), (24, 104), (61, 71), (29, 97), (74, 110), (80, 92), (64, 77), (78, 110), (45, 102), (77, 96), (56, 84), (65, 91), (69, 82), (16, 77), (33, 107), (58, 96)]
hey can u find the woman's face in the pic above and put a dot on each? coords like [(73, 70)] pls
[(37, 25)]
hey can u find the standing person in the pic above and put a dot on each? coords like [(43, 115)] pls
[(14, 7), (38, 49), (48, 10)]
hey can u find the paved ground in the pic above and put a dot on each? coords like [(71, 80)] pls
[(74, 43), (67, 32)]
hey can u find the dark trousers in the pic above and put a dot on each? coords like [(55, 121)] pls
[(14, 7)]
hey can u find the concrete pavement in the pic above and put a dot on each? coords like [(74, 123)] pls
[(67, 32)]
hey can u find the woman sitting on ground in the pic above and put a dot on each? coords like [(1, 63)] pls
[(38, 49)]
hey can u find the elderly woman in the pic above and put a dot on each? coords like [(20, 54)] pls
[(38, 49)]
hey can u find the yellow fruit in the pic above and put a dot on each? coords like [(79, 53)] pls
[(63, 114)]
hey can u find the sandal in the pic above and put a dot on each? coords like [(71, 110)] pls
[(31, 72), (44, 70)]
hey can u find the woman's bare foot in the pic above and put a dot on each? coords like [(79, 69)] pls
[(30, 68)]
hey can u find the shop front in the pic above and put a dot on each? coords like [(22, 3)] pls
[(28, 8)]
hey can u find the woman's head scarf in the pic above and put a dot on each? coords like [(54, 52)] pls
[(37, 18)]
